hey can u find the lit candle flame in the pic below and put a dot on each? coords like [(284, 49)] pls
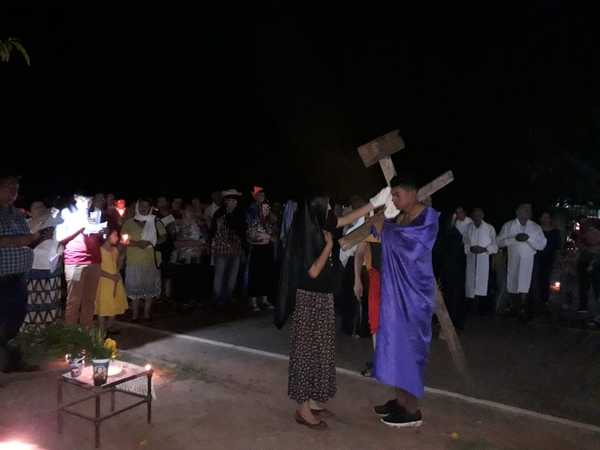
[(148, 367)]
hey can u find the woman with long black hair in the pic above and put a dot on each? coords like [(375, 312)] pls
[(306, 286)]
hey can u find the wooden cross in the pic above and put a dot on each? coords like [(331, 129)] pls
[(379, 151)]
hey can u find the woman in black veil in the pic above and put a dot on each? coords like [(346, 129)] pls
[(306, 293)]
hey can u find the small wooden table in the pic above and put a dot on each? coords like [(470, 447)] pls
[(85, 381)]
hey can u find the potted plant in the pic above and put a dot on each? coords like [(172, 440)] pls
[(101, 352), (75, 344)]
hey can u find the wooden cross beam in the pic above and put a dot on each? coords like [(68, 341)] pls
[(380, 150), (364, 231)]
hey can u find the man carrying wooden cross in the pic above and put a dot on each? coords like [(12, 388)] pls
[(408, 292)]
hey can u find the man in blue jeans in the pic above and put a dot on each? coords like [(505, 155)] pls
[(16, 259)]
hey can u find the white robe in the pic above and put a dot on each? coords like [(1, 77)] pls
[(521, 254), (462, 225), (478, 266)]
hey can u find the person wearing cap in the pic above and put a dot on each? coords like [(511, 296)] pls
[(16, 260), (261, 236), (228, 231)]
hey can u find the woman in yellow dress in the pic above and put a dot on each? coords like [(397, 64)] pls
[(111, 299)]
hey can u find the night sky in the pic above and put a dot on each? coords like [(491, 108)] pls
[(281, 96)]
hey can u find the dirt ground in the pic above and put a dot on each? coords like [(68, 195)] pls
[(537, 366), (219, 398)]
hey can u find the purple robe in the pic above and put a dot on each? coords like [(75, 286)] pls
[(407, 302)]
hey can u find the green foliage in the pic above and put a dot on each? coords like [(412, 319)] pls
[(55, 341), (10, 45)]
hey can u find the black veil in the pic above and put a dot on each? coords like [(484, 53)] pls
[(305, 244)]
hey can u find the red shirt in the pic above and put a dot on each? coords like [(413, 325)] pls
[(83, 250)]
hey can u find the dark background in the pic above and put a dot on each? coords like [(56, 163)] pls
[(183, 101)]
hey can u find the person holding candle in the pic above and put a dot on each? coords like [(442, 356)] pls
[(111, 299), (142, 274)]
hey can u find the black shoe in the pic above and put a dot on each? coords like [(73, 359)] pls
[(403, 419), (387, 409), (368, 370)]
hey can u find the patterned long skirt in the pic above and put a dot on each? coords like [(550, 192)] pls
[(44, 301), (312, 349)]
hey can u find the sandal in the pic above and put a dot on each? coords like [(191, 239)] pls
[(322, 413), (313, 426)]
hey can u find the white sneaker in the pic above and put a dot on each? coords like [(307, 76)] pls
[(254, 305)]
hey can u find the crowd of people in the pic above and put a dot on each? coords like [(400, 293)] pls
[(506, 273), (109, 256), (514, 273), (113, 257)]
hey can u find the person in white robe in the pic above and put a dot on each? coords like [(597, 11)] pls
[(480, 243), (523, 239), (460, 220)]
